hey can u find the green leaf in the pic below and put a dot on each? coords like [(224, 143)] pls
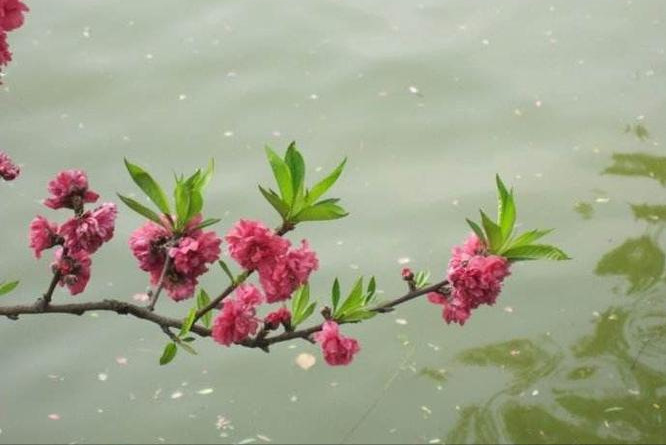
[(149, 186), (325, 184), (203, 300), (359, 315), (227, 271), (187, 348), (282, 175), (421, 278), (527, 238), (506, 213), (493, 232), (353, 302), (335, 294), (277, 203), (297, 168), (372, 289), (477, 230), (206, 177), (141, 209), (300, 305), (169, 353), (208, 222), (535, 252), (304, 315), (196, 205), (182, 197), (322, 211), (6, 288), (188, 322)]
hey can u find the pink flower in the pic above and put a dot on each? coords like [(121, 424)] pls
[(472, 246), (148, 246), (237, 320), (43, 235), (5, 53), (8, 170), (455, 310), (70, 190), (282, 276), (90, 230), (192, 254), (251, 244), (337, 349), (276, 318), (74, 269), (11, 14)]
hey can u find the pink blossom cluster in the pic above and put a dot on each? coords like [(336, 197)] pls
[(80, 236), (8, 170), (338, 350), (11, 18), (237, 320), (189, 254), (282, 269), (475, 278)]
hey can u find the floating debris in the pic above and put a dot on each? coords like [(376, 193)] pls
[(427, 412), (54, 416), (264, 438), (122, 361), (228, 134), (293, 398), (508, 310), (314, 96), (182, 96), (223, 424), (305, 361), (602, 200), (102, 377), (613, 409), (205, 391), (176, 395), (404, 260), (535, 393), (414, 90), (401, 321)]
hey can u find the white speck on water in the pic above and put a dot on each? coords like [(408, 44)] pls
[(293, 398), (404, 260), (248, 440), (176, 395), (318, 169), (223, 423), (264, 438), (122, 361), (414, 90), (102, 377), (596, 314), (54, 416), (81, 126), (314, 96), (435, 440), (305, 361), (182, 96), (228, 133), (401, 321), (602, 200), (276, 134), (382, 94), (149, 56), (339, 243), (94, 315), (354, 266), (232, 74), (86, 32), (433, 347), (205, 391), (455, 202), (426, 411), (517, 112), (535, 393), (458, 408), (508, 310), (157, 393), (514, 353), (100, 411), (485, 42), (613, 409), (634, 392)]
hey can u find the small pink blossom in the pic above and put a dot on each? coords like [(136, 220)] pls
[(91, 229), (148, 246), (43, 235), (192, 254), (455, 310), (70, 190), (282, 276), (471, 247), (407, 274), (337, 349), (5, 53), (237, 320), (251, 244), (277, 318), (8, 170), (11, 14), (74, 269)]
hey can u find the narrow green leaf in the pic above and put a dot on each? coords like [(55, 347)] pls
[(203, 300), (358, 315), (354, 301), (506, 208), (493, 232), (141, 209), (149, 186), (196, 205), (296, 164), (307, 312), (188, 322), (182, 197), (227, 271), (277, 203), (282, 175), (206, 176), (527, 238), (187, 348), (335, 294), (477, 230), (6, 288), (325, 184), (169, 353), (208, 222), (535, 252), (323, 211)]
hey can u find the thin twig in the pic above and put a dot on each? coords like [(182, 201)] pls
[(45, 301), (160, 286)]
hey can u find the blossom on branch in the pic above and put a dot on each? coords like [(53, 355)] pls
[(237, 320), (338, 350), (8, 170)]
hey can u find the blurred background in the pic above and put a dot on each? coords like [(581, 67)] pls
[(429, 100)]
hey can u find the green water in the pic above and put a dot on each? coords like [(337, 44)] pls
[(540, 92)]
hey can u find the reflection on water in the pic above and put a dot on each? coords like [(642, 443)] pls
[(610, 385)]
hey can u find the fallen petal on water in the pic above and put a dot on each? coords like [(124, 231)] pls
[(305, 361)]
